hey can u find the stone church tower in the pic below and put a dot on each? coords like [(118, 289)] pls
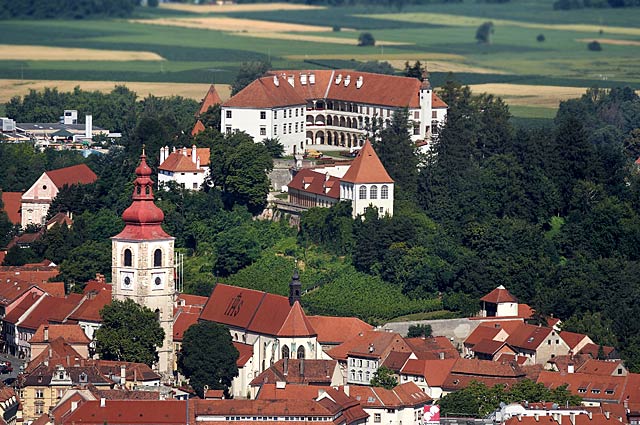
[(142, 262)]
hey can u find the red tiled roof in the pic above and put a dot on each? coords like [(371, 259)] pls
[(296, 323), (488, 346), (405, 395), (13, 289), (73, 334), (336, 330), (31, 274), (245, 352), (475, 367), (193, 300), (55, 289), (264, 93), (432, 348), (315, 372), (572, 339), (197, 128), (210, 99), (11, 204), (177, 162), (372, 344), (508, 358), (310, 181), (599, 367), (529, 337), (367, 167), (163, 412), (436, 102), (139, 372), (249, 309), (581, 419), (480, 333), (581, 384), (236, 407), (434, 371), (76, 174), (59, 219), (182, 321), (509, 326), (89, 310), (215, 394), (51, 310), (593, 349), (525, 311), (58, 351), (395, 360), (499, 295), (21, 308)]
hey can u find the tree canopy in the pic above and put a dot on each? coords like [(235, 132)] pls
[(208, 357), (129, 332)]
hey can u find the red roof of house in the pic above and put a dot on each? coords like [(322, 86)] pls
[(296, 324), (593, 349), (51, 310), (401, 396), (313, 372), (581, 419), (608, 388), (245, 352), (371, 344), (94, 302), (435, 372), (307, 180), (34, 274), (134, 372), (214, 394), (509, 326), (600, 367), (182, 320), (480, 333), (257, 311), (21, 308), (55, 289), (477, 368), (57, 351), (395, 360), (179, 162), (432, 348), (11, 204), (264, 93), (76, 174), (572, 338), (367, 167), (529, 337), (488, 346), (525, 311), (336, 330), (73, 334), (436, 102), (13, 289), (270, 391), (499, 295), (197, 128), (508, 358), (192, 300), (210, 99), (165, 412)]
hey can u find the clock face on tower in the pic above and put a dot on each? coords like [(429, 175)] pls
[(157, 280), (126, 281)]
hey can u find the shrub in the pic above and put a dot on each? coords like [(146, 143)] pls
[(484, 32), (594, 46), (366, 39), (540, 38), (336, 28)]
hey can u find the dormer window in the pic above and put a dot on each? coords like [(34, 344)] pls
[(83, 377)]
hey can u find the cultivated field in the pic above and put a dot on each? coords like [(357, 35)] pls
[(178, 48)]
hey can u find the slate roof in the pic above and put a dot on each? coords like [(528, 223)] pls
[(76, 174), (367, 167)]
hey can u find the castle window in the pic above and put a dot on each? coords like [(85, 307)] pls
[(263, 115), (158, 314), (301, 352), (384, 192), (363, 192), (434, 127), (373, 192), (127, 258), (228, 114), (285, 352)]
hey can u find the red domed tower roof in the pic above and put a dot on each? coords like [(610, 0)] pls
[(143, 219)]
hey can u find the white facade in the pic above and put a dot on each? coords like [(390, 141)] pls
[(142, 270), (189, 171), (509, 309), (284, 123), (365, 195), (36, 201), (361, 370)]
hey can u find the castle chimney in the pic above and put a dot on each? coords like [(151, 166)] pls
[(103, 402), (571, 368), (88, 126), (292, 80), (46, 333), (312, 78), (607, 414), (572, 418), (346, 390), (123, 374), (184, 150), (193, 153)]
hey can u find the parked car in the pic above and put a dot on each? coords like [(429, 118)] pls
[(5, 367), (313, 154)]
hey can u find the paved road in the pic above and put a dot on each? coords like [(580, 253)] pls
[(15, 363)]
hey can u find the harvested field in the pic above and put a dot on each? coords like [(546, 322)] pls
[(10, 88), (214, 8), (446, 66), (529, 95), (46, 53), (316, 38), (468, 21), (611, 41), (424, 57), (233, 25)]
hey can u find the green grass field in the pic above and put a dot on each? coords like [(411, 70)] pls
[(442, 35)]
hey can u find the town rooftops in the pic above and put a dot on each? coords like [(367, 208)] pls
[(198, 127), (401, 396), (181, 160), (602, 367), (435, 372), (590, 386), (76, 174), (311, 181), (499, 295), (89, 310), (432, 348), (296, 324), (161, 412), (139, 372), (529, 337), (11, 202), (367, 167), (266, 92), (336, 330), (370, 344), (481, 333), (245, 353), (488, 346), (256, 311), (572, 338), (50, 310)]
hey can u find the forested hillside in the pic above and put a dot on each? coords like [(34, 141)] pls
[(552, 214), (74, 9)]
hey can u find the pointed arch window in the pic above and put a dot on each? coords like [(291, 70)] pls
[(300, 352), (285, 352), (384, 192), (157, 258), (128, 258), (373, 192), (363, 192)]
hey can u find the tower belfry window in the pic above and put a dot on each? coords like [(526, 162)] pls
[(127, 258), (157, 258)]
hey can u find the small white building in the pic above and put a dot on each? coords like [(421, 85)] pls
[(188, 167)]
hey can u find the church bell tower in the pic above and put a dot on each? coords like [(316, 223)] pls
[(142, 262)]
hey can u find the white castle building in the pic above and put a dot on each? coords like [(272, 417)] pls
[(330, 107), (188, 167)]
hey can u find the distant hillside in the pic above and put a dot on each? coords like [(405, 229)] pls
[(68, 9)]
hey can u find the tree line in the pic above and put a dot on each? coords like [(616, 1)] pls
[(66, 9)]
